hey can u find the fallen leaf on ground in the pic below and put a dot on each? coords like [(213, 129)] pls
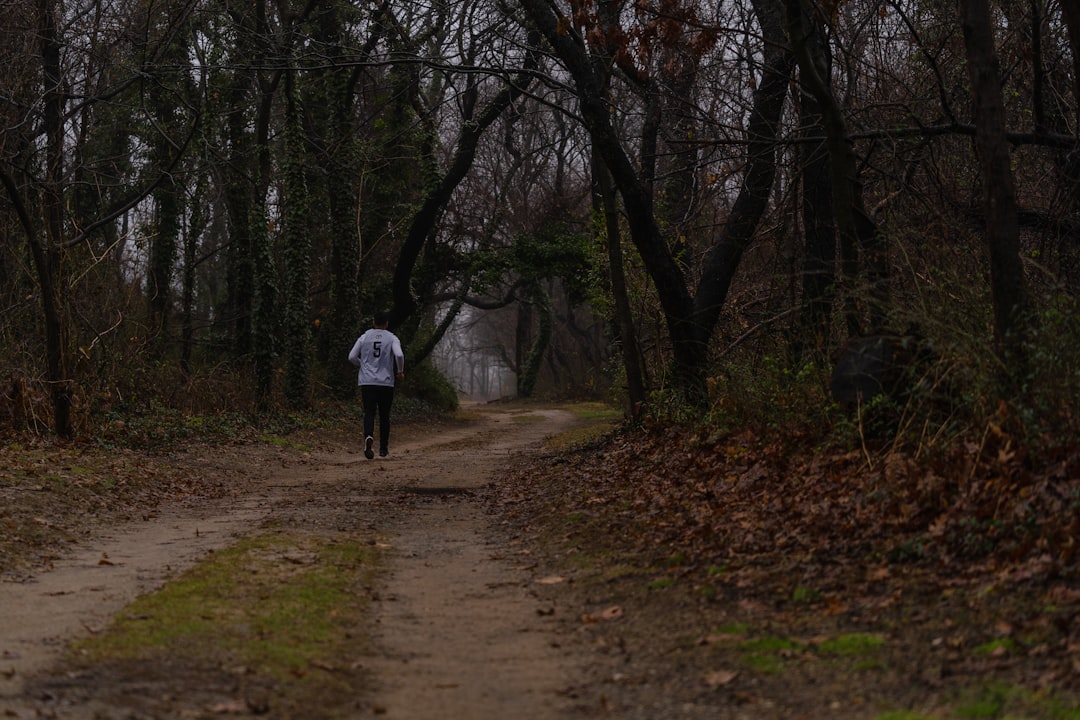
[(551, 580), (231, 707), (612, 613), (719, 678)]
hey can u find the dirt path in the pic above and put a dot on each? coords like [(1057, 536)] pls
[(458, 631)]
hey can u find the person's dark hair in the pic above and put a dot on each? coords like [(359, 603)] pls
[(381, 318)]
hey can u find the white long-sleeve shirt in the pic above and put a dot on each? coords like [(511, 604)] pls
[(379, 356)]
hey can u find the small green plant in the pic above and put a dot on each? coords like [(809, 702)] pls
[(987, 703), (427, 385), (766, 655), (804, 594), (852, 645), (661, 584), (910, 550), (675, 560), (734, 629), (996, 647), (286, 443), (596, 412)]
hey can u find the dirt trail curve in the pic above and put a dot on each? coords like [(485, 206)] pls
[(458, 632)]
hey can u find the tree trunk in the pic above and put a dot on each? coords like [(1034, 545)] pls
[(1007, 283), (624, 316), (297, 240), (605, 200), (47, 252), (529, 370), (819, 229), (265, 321), (861, 245), (722, 260)]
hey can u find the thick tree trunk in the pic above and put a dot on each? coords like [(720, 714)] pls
[(605, 200), (624, 316), (861, 245), (1008, 285), (529, 370), (819, 228), (47, 252), (297, 235)]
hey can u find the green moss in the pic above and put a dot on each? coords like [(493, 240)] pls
[(766, 655), (286, 443), (995, 646), (998, 700), (852, 645), (274, 603), (595, 411), (733, 629)]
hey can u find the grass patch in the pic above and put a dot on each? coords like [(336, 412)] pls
[(734, 629), (277, 605), (803, 594), (852, 645), (767, 654), (598, 419), (999, 700), (284, 442), (988, 702), (996, 647), (596, 411)]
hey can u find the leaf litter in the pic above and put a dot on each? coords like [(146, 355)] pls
[(887, 577)]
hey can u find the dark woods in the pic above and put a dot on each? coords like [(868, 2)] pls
[(683, 207)]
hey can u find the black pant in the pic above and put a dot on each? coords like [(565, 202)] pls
[(377, 397)]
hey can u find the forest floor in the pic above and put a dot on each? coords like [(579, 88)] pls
[(506, 563)]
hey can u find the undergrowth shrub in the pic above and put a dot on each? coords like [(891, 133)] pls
[(768, 393), (425, 385), (1047, 407)]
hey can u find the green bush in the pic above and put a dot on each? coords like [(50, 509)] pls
[(425, 384)]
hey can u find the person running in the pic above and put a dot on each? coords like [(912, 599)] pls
[(382, 364)]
